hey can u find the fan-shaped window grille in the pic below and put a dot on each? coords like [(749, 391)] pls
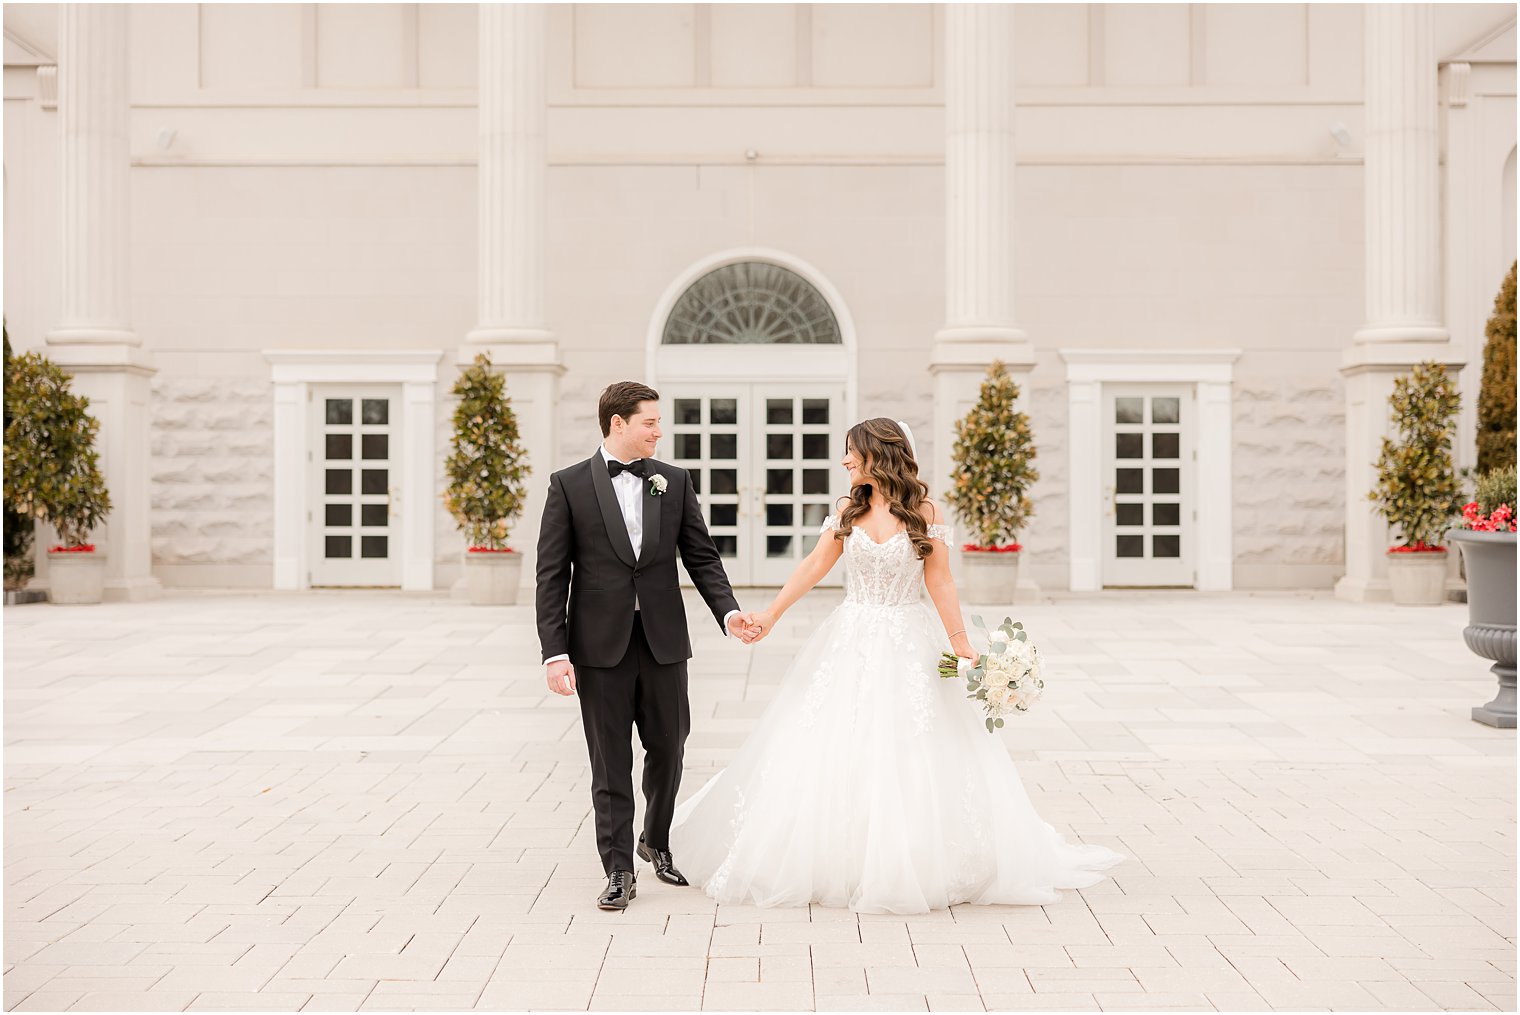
[(753, 303)]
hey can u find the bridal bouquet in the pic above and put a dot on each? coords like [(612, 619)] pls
[(1006, 678)]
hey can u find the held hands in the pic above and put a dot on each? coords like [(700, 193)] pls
[(741, 626), (760, 624), (750, 627), (561, 677)]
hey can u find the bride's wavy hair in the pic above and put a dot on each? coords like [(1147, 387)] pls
[(888, 463)]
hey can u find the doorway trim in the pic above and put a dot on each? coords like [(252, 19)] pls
[(293, 372), (1211, 371), (752, 362)]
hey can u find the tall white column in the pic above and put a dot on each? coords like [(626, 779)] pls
[(1403, 281), (93, 339), (511, 322), (979, 223), (1402, 184), (513, 159), (979, 165)]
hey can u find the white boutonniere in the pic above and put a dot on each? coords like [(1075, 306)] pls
[(657, 485)]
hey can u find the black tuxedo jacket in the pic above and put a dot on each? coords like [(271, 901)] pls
[(588, 576)]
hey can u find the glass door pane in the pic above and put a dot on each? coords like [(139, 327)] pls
[(799, 439), (353, 510), (1147, 481), (706, 439)]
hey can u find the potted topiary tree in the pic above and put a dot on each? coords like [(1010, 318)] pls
[(52, 473), (1418, 491), (1496, 394), (486, 493), (988, 490), (1487, 538), (1487, 535), (19, 529)]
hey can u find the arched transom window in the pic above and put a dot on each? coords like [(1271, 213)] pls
[(751, 303)]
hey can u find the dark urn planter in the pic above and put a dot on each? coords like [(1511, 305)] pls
[(1490, 631)]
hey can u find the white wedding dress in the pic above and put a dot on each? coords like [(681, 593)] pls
[(870, 782)]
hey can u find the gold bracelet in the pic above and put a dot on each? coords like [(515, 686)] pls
[(962, 631)]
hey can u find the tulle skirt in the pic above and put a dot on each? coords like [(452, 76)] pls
[(871, 783)]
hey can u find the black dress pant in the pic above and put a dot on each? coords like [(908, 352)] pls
[(637, 692)]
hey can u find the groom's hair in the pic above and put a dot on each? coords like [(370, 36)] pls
[(622, 399)]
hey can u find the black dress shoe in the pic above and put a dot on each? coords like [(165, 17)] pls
[(664, 864), (620, 890)]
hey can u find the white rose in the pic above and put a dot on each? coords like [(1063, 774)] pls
[(998, 636), (1026, 691), (658, 484)]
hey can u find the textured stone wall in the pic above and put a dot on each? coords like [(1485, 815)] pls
[(1045, 539), (211, 466), (1290, 446)]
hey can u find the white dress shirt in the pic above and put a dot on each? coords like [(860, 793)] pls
[(630, 495)]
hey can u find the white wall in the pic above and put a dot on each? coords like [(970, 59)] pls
[(1178, 187)]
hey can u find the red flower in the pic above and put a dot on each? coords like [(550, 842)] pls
[(1010, 548), (490, 549), (1417, 548), (81, 548), (1501, 520)]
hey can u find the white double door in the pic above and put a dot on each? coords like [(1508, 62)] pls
[(765, 460), (354, 482), (1149, 481)]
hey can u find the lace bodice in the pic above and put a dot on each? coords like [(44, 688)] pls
[(883, 574)]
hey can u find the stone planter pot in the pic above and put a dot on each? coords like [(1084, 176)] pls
[(1417, 579), (493, 578), (1490, 631), (988, 577), (76, 577)]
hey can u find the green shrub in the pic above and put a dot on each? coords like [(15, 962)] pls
[(992, 454), (1418, 489), (1496, 395), (488, 464), (52, 470), (1495, 489), (19, 530)]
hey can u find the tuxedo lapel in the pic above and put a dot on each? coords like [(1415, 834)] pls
[(651, 541), (617, 529)]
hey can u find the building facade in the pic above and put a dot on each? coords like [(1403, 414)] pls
[(1206, 238)]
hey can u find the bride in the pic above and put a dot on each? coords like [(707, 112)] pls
[(870, 782)]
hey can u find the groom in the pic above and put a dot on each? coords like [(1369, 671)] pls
[(612, 625)]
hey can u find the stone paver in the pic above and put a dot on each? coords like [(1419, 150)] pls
[(368, 801)]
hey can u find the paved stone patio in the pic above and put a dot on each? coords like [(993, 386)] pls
[(339, 801)]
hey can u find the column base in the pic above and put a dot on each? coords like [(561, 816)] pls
[(117, 380), (133, 590), (1363, 589), (533, 370), (958, 367), (1370, 371)]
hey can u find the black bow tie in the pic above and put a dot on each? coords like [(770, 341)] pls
[(615, 469)]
